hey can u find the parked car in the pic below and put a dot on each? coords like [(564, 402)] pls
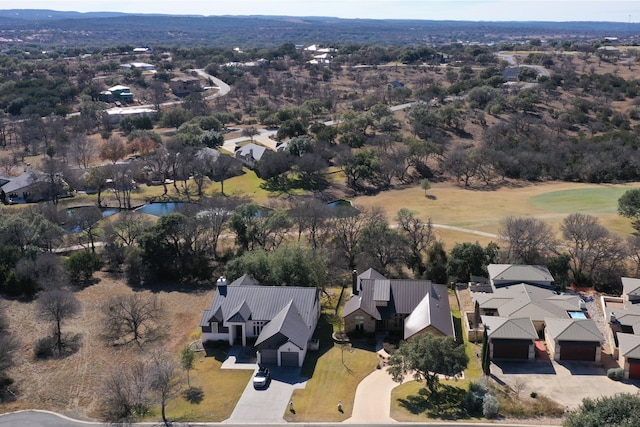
[(262, 378)]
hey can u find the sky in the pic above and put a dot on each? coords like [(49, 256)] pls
[(460, 10)]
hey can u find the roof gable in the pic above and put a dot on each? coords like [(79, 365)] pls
[(509, 328), (287, 323), (584, 330), (631, 286), (629, 345), (433, 310)]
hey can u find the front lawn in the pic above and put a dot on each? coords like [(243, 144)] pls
[(335, 372), (222, 390)]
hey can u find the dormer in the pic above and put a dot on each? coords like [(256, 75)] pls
[(382, 292)]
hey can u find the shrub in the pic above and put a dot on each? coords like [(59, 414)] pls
[(474, 398), (82, 265), (193, 395), (490, 406), (533, 395), (44, 347), (616, 374)]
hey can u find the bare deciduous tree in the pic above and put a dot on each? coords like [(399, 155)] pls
[(57, 306), (163, 381), (528, 239), (124, 393), (133, 318), (419, 235)]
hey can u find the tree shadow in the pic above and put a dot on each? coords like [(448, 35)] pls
[(447, 404)]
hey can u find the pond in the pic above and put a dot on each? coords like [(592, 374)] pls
[(343, 207), (70, 226), (162, 208)]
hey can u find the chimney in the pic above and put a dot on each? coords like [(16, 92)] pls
[(354, 282), (221, 284), (612, 318)]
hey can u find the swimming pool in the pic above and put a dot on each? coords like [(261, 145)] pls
[(577, 314)]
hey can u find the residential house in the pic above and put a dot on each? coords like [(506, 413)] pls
[(114, 115), (278, 321), (394, 85), (33, 186), (511, 74), (510, 274), (250, 153), (405, 307), (117, 93), (518, 292), (185, 85)]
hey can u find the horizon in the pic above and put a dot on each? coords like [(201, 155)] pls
[(436, 10)]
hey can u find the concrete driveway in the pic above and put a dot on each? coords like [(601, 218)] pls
[(567, 382), (267, 406)]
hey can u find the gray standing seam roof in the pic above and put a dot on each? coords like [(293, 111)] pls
[(262, 302), (288, 323), (382, 290), (519, 273)]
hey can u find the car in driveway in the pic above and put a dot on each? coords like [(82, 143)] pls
[(262, 378)]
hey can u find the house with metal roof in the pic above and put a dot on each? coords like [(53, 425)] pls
[(573, 339), (33, 186), (405, 307), (511, 274), (278, 321)]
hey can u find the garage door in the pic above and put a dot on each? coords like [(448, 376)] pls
[(289, 358), (510, 349), (269, 357), (634, 369), (578, 351)]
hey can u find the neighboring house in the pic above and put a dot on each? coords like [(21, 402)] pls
[(395, 85), (510, 338), (511, 74), (530, 301), (185, 85), (621, 320), (117, 93), (573, 339), (114, 115), (629, 355), (631, 289), (140, 65), (250, 153), (33, 186), (230, 165), (511, 274), (405, 307), (278, 321)]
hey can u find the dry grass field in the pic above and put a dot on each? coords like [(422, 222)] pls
[(478, 210), (71, 385)]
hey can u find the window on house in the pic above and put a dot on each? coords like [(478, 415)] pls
[(214, 327), (257, 327), (360, 323)]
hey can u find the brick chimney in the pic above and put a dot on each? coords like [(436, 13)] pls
[(354, 282)]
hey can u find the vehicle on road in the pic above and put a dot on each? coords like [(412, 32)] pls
[(262, 378)]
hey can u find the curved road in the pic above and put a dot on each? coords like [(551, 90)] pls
[(50, 419)]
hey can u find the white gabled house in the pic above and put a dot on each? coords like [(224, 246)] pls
[(278, 321)]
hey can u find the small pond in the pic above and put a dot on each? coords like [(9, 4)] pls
[(70, 226), (162, 208)]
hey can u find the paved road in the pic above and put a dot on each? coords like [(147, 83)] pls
[(45, 419)]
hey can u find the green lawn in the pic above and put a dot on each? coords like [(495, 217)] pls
[(597, 200), (222, 390)]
